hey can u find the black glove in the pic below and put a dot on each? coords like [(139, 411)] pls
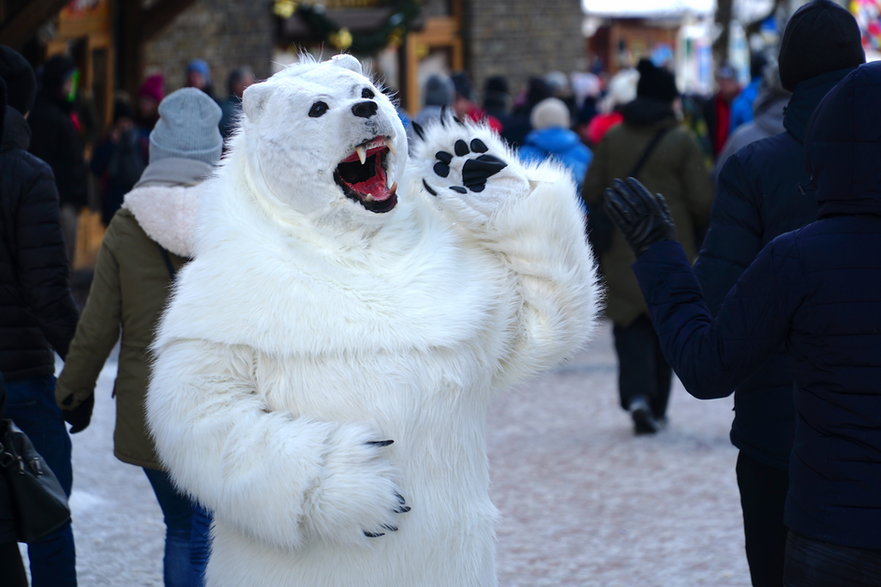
[(643, 218), (80, 416)]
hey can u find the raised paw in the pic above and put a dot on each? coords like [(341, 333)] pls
[(475, 171), (469, 170)]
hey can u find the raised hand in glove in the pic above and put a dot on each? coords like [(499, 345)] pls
[(642, 217), (80, 416)]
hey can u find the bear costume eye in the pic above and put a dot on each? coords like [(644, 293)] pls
[(318, 109), (367, 93)]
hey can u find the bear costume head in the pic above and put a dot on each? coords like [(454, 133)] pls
[(321, 138)]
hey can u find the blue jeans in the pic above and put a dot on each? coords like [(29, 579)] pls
[(187, 533), (31, 405)]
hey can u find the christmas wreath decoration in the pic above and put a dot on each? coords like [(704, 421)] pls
[(391, 33)]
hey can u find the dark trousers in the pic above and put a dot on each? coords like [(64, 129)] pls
[(31, 405), (762, 496), (811, 563), (642, 369), (11, 568)]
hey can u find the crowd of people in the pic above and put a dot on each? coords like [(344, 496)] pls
[(784, 324)]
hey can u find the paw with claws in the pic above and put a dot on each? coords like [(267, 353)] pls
[(469, 170)]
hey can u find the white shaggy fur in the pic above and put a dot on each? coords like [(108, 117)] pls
[(307, 327)]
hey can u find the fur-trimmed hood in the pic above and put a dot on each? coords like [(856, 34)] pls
[(167, 214)]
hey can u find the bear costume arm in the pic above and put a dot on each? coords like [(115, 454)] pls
[(528, 217), (278, 478), (539, 236)]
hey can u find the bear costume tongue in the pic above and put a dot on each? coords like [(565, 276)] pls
[(362, 176)]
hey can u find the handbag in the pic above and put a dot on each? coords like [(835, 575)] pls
[(39, 502), (599, 226)]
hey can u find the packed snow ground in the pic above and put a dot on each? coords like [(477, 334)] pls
[(583, 501)]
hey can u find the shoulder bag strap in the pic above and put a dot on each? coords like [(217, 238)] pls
[(171, 270), (648, 151)]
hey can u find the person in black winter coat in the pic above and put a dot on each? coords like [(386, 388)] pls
[(816, 292), (760, 196), (37, 312), (10, 559), (56, 140)]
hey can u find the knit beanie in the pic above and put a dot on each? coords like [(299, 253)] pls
[(820, 37), (438, 91), (655, 82), (153, 87), (200, 66), (187, 128), (21, 85), (550, 113)]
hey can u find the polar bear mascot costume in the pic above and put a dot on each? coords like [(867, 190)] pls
[(323, 371)]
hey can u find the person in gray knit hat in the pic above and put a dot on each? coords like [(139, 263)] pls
[(184, 128), (146, 242)]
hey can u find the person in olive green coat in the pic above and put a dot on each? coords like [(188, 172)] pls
[(147, 241), (674, 167)]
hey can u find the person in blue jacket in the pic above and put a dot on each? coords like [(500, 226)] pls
[(758, 197), (552, 138), (816, 292), (742, 105)]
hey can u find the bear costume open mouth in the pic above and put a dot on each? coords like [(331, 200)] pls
[(363, 176)]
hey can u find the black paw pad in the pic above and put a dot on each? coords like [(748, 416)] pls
[(442, 169), (459, 189), (461, 148), (443, 157), (476, 171), (478, 146)]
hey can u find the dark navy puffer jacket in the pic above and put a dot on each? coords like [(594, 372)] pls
[(759, 196), (37, 312), (817, 291)]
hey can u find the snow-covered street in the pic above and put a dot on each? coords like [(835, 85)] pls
[(583, 501)]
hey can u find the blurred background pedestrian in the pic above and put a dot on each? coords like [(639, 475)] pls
[(651, 144)]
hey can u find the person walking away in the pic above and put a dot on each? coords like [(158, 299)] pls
[(652, 144), (717, 109), (760, 195), (553, 139), (239, 80), (10, 559), (118, 160), (743, 105), (198, 75), (621, 91), (815, 291), (466, 108), (767, 119), (37, 312), (147, 241), (56, 139), (517, 125)]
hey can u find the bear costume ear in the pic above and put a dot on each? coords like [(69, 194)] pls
[(254, 99), (348, 62)]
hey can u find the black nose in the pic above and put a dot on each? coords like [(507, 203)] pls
[(364, 109)]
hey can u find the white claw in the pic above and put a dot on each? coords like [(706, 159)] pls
[(362, 153)]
